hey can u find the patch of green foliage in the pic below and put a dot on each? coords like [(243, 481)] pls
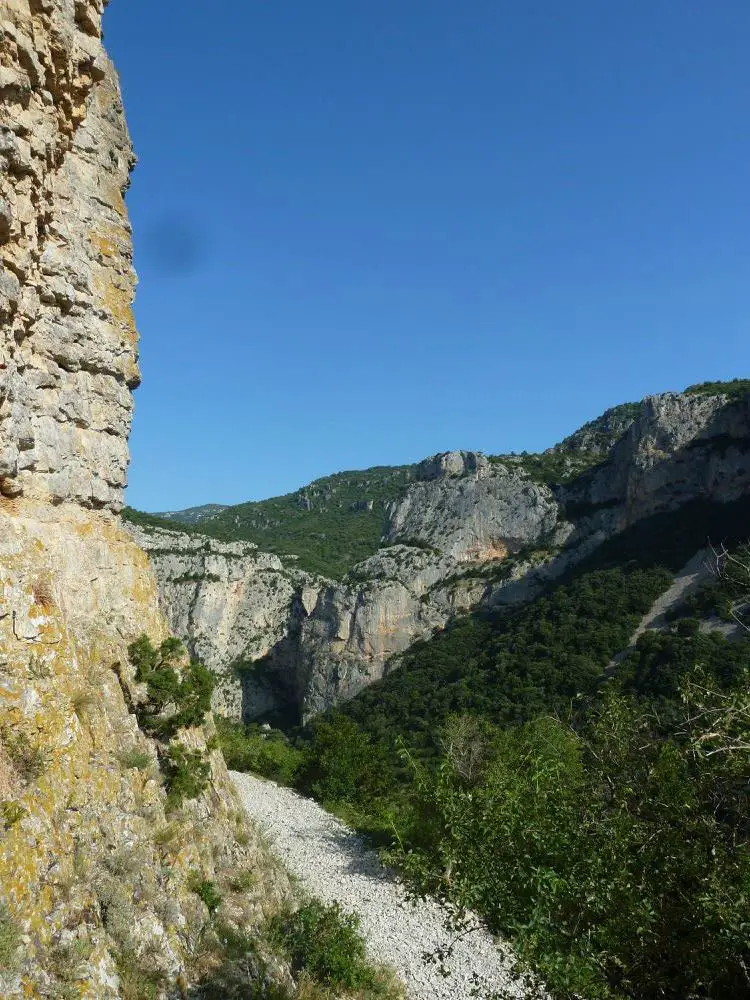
[(237, 970), (135, 759), (10, 939), (656, 668), (186, 774), (325, 942), (603, 825), (29, 759), (326, 524), (137, 981), (512, 666), (206, 891), (250, 748), (735, 388), (11, 813), (615, 856), (188, 690)]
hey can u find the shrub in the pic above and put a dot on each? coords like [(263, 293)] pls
[(243, 880), (186, 773), (11, 813), (136, 981), (206, 890), (10, 939), (28, 759), (324, 942), (617, 859), (344, 763), (135, 759), (248, 748), (188, 690)]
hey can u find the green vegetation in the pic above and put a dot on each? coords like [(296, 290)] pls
[(11, 813), (137, 981), (735, 388), (179, 696), (206, 891), (324, 943), (29, 760), (250, 748), (188, 690), (615, 857), (186, 774), (328, 525), (602, 824), (135, 759), (10, 939)]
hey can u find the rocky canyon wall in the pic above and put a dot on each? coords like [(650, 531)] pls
[(68, 357), (98, 864), (467, 533)]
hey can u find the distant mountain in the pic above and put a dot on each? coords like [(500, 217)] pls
[(193, 515), (336, 522)]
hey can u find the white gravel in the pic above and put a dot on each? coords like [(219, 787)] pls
[(332, 863)]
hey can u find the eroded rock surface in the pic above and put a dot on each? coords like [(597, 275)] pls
[(97, 865), (68, 356)]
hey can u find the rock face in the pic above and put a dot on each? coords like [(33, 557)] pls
[(68, 355), (96, 862), (234, 605), (468, 532), (471, 510)]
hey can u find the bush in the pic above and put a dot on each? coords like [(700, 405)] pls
[(206, 890), (324, 942), (10, 939), (11, 813), (186, 773), (249, 748), (616, 858), (344, 763), (135, 759), (188, 690), (29, 760)]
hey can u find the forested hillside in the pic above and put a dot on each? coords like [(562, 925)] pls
[(327, 526), (602, 824)]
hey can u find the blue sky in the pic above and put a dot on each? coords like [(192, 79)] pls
[(366, 232)]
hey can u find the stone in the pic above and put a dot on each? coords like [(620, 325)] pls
[(66, 278)]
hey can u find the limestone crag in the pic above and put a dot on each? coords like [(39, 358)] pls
[(471, 510), (101, 847), (232, 604), (681, 447), (95, 871), (68, 356)]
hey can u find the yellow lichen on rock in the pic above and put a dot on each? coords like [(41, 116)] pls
[(82, 864)]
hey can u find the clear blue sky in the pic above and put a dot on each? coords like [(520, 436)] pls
[(369, 231)]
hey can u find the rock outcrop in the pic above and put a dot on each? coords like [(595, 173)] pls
[(234, 606), (68, 357), (98, 865)]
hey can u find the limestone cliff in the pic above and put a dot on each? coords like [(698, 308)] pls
[(467, 532), (68, 355), (234, 605), (95, 868), (98, 865)]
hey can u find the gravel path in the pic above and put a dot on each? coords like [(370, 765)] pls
[(334, 864)]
